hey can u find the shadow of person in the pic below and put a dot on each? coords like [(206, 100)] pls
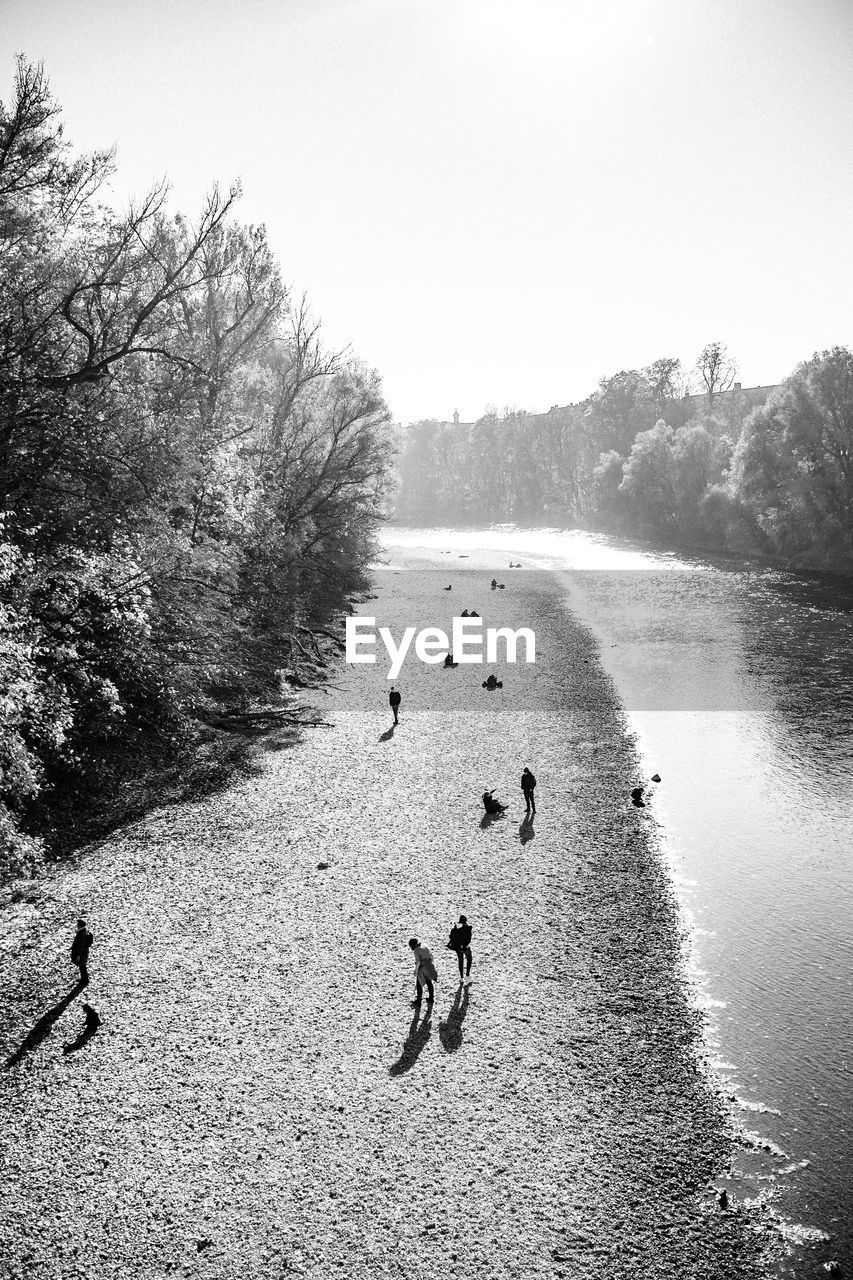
[(90, 1029), (525, 829), (488, 818), (43, 1027), (450, 1030), (388, 734), (414, 1044)]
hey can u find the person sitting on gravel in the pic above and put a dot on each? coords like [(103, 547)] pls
[(493, 683), (491, 805), (448, 661), (494, 584), (425, 972)]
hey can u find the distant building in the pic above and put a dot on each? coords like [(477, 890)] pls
[(747, 397), (732, 404), (736, 402), (456, 422)]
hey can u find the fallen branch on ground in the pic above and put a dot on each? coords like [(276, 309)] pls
[(318, 631), (269, 715)]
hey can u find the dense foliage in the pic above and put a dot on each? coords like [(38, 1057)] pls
[(189, 484), (769, 474)]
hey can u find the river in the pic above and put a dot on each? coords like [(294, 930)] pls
[(738, 682)]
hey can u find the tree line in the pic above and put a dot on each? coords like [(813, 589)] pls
[(190, 483), (643, 457)]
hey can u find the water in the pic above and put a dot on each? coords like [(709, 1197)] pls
[(739, 684)]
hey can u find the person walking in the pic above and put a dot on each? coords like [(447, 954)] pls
[(80, 951), (460, 942), (425, 972), (395, 699), (528, 786)]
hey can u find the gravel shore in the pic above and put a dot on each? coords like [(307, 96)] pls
[(260, 1100)]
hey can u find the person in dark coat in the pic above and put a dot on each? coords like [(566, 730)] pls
[(395, 699), (528, 786), (80, 951), (460, 942)]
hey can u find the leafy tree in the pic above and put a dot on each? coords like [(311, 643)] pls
[(189, 482), (609, 495), (622, 406), (793, 465), (665, 379), (418, 478), (717, 370), (648, 481)]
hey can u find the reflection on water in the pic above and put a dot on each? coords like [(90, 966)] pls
[(739, 684)]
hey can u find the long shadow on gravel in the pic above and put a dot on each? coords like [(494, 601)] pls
[(450, 1030), (414, 1044), (42, 1028)]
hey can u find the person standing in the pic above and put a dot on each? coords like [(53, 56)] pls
[(80, 951), (395, 699), (460, 942), (425, 972), (528, 786)]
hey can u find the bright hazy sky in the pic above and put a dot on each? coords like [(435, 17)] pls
[(497, 202)]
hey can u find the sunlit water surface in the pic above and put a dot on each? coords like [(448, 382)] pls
[(739, 685)]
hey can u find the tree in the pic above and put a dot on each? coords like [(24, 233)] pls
[(190, 484), (665, 381), (43, 189), (793, 465), (607, 478), (621, 406), (648, 479), (416, 492), (717, 370)]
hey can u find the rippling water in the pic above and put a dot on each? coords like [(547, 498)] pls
[(739, 684)]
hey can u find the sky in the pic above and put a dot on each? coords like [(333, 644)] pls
[(496, 203)]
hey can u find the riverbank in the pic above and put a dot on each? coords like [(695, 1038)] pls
[(261, 1101)]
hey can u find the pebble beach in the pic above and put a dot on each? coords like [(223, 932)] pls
[(262, 1101)]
